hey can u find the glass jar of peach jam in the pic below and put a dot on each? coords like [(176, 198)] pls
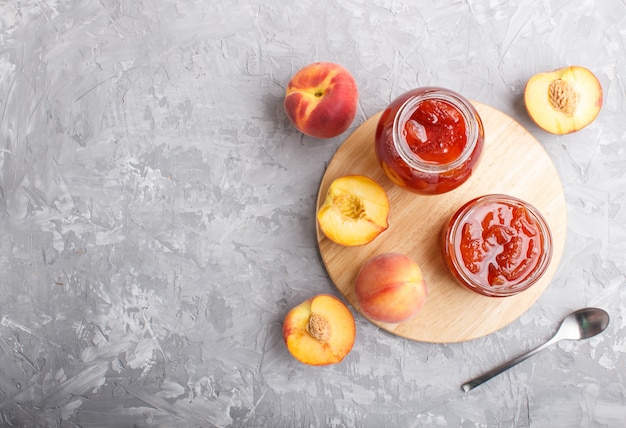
[(428, 140), (497, 245)]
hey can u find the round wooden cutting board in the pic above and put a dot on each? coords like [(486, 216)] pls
[(514, 163)]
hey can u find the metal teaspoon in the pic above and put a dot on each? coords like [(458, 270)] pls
[(581, 324)]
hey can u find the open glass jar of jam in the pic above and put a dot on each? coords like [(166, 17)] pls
[(428, 140), (497, 245)]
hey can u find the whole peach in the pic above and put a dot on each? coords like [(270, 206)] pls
[(321, 99), (390, 288)]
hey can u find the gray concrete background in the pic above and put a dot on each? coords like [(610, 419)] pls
[(157, 213)]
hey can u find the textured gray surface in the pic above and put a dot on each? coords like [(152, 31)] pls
[(157, 213)]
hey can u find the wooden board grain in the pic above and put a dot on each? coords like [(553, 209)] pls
[(513, 163)]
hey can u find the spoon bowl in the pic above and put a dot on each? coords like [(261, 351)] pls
[(581, 324), (590, 322)]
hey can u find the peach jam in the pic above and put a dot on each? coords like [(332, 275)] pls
[(429, 139), (497, 245)]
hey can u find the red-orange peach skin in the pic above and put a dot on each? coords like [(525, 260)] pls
[(321, 99)]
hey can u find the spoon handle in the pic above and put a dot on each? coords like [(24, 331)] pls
[(468, 386)]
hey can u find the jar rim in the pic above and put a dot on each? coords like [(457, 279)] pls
[(457, 265), (462, 105)]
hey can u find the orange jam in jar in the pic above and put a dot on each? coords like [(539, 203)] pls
[(429, 140), (497, 245)]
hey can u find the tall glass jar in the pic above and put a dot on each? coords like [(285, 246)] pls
[(429, 140)]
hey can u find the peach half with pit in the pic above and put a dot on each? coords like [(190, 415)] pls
[(321, 99), (319, 331), (390, 288), (355, 211), (564, 100)]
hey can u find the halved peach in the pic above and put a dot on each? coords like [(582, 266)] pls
[(355, 211), (319, 331), (564, 100)]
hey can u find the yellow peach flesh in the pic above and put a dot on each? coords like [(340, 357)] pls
[(319, 331), (355, 211), (564, 100)]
